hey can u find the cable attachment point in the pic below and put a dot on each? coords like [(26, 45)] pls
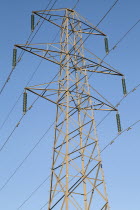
[(32, 22), (118, 122), (14, 57), (129, 128), (124, 86), (106, 45), (111, 142), (24, 102), (18, 124)]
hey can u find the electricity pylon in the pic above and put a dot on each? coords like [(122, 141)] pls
[(77, 177)]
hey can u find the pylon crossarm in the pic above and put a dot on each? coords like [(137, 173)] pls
[(103, 103), (91, 28), (100, 103), (41, 56), (92, 64), (105, 71), (101, 96), (41, 95)]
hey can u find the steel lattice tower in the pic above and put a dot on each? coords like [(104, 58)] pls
[(77, 178)]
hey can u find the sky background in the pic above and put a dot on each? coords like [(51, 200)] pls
[(121, 160)]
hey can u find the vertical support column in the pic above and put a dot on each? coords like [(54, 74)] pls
[(106, 206), (67, 111), (77, 37)]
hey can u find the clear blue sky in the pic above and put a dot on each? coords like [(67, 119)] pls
[(121, 160)]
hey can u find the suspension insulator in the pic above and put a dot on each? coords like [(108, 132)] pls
[(106, 45), (14, 57), (118, 122), (24, 102), (124, 86), (32, 22)]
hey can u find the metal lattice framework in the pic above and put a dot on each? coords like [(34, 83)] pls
[(77, 178)]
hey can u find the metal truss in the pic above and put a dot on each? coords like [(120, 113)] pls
[(77, 178)]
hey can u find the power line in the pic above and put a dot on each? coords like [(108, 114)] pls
[(108, 12), (1, 148), (75, 5), (131, 91), (29, 153), (126, 34), (34, 192), (126, 129)]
